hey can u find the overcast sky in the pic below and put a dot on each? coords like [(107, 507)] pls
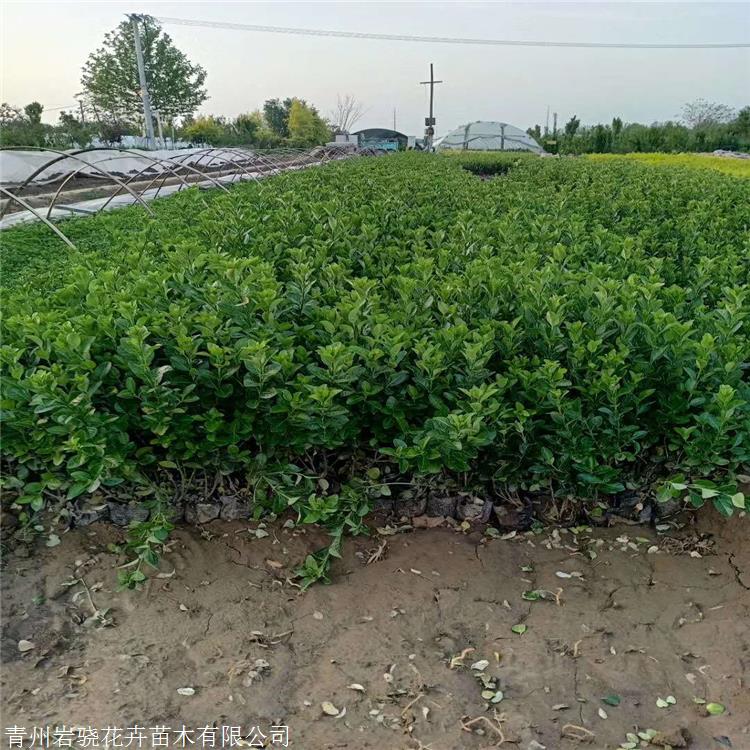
[(45, 45)]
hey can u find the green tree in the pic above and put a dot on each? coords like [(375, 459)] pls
[(110, 75), (602, 139), (9, 114), (306, 126), (247, 127), (535, 132), (276, 114), (571, 126), (22, 127), (72, 133), (205, 129), (741, 123), (33, 112)]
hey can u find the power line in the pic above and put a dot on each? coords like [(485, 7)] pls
[(441, 39)]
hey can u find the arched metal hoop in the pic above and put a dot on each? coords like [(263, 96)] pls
[(217, 167)]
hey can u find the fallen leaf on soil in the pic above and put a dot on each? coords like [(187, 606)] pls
[(520, 629), (24, 646), (186, 691), (356, 686), (329, 709), (317, 615), (670, 700), (480, 665), (715, 709), (603, 714), (560, 706), (612, 700), (274, 564)]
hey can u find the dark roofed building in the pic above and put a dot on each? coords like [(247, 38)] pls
[(382, 138)]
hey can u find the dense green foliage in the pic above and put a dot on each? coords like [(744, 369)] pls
[(704, 127), (110, 75), (568, 325), (23, 127), (294, 123)]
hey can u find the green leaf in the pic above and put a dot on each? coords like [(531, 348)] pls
[(519, 629), (724, 504), (77, 488), (715, 709)]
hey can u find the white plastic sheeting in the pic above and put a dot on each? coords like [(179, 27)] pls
[(488, 136), (17, 166), (131, 177)]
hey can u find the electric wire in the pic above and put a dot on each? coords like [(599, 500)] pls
[(442, 40)]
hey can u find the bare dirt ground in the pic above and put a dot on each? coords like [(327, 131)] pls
[(624, 614)]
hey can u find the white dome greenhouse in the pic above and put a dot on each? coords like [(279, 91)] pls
[(488, 136)]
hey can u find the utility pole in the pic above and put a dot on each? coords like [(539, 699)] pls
[(161, 133), (429, 131), (554, 124), (149, 122), (394, 118), (546, 124)]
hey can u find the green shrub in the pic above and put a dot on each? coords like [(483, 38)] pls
[(574, 326)]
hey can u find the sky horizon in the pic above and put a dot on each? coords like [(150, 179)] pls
[(46, 44)]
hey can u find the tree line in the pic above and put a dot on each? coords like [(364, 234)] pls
[(291, 122), (702, 126)]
